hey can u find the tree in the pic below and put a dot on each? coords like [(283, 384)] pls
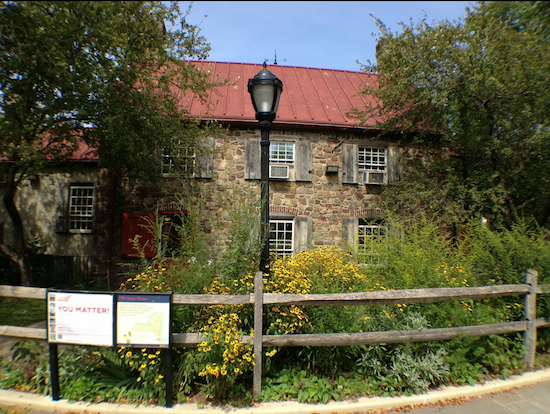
[(478, 88), (106, 75)]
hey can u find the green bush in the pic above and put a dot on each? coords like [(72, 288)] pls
[(406, 367), (418, 255)]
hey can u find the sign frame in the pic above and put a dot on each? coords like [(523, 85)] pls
[(143, 309), (94, 305)]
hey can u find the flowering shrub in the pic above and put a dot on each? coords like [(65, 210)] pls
[(225, 356), (144, 366), (326, 269), (151, 279), (452, 276)]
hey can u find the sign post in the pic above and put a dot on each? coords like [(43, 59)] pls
[(144, 321), (139, 320), (77, 318)]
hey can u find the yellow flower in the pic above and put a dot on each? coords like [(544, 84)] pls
[(271, 353)]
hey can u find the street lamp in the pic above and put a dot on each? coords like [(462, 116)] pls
[(265, 90)]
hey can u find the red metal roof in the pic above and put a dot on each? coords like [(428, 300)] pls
[(311, 97)]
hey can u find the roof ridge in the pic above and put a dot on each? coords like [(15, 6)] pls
[(277, 65)]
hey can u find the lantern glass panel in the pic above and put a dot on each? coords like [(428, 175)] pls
[(263, 97)]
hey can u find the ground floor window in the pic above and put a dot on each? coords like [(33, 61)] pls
[(371, 243), (281, 240), (81, 208)]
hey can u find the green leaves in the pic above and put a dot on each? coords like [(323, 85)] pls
[(478, 89), (107, 75), (298, 385)]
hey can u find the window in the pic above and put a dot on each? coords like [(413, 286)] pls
[(372, 164), (281, 240), (182, 160), (81, 208), (281, 159), (371, 240), (288, 160), (281, 152)]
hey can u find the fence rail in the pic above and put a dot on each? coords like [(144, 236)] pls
[(528, 326)]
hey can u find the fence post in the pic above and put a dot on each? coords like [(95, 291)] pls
[(530, 335), (258, 327)]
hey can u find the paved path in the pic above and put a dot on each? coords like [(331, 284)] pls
[(529, 399), (526, 394)]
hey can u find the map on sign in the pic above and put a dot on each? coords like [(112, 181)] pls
[(143, 320)]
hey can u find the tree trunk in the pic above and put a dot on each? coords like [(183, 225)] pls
[(19, 254)]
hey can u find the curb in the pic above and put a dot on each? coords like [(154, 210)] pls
[(33, 403)]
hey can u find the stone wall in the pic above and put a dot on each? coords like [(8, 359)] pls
[(325, 199)]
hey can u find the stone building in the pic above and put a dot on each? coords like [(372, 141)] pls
[(326, 172)]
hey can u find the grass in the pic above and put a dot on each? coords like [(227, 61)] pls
[(21, 312)]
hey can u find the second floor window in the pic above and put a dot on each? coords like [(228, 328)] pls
[(281, 152), (372, 164), (81, 208), (179, 161), (288, 160)]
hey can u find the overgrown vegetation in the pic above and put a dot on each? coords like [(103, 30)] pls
[(480, 97), (220, 368)]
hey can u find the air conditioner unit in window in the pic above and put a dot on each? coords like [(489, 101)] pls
[(279, 171), (375, 177)]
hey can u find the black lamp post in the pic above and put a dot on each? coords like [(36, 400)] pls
[(265, 90)]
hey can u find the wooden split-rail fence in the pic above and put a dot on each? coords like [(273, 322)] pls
[(529, 325)]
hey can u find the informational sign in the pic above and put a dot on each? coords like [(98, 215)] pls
[(81, 318), (143, 320)]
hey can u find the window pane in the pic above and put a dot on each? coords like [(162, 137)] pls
[(181, 160), (372, 159), (371, 241), (280, 237), (81, 208), (281, 152)]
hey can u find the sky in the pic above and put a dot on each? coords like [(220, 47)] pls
[(316, 34)]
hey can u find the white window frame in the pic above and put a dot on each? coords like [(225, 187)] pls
[(282, 152), (184, 154), (368, 253), (81, 208), (372, 160), (280, 244)]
